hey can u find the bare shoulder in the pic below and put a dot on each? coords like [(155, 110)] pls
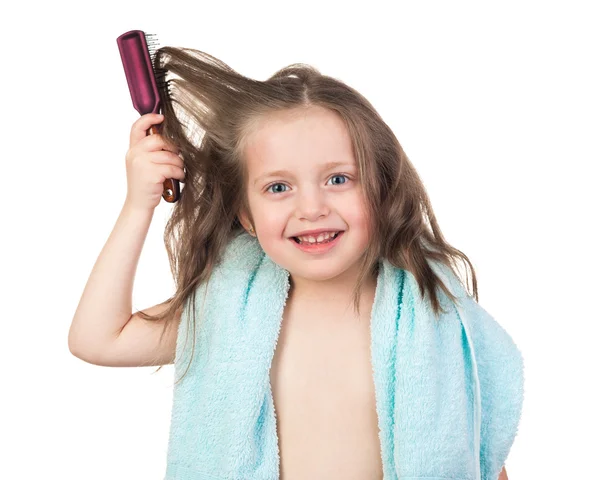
[(139, 343)]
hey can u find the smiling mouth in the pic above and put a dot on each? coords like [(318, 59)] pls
[(330, 239)]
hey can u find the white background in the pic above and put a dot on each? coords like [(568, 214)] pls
[(496, 103)]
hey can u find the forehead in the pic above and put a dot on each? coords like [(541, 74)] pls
[(301, 137)]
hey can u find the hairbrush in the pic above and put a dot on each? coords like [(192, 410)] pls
[(137, 51)]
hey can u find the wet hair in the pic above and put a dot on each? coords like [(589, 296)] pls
[(210, 110)]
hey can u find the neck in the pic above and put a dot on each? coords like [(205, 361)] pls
[(335, 291)]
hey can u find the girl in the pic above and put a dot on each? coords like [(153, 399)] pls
[(298, 203)]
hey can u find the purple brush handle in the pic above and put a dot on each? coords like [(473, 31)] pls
[(143, 89)]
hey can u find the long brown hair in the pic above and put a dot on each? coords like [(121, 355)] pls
[(209, 111)]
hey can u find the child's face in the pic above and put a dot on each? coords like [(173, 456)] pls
[(310, 196)]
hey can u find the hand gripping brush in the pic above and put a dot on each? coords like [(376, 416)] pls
[(137, 51)]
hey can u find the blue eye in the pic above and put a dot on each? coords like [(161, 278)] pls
[(274, 184), (340, 176), (278, 183)]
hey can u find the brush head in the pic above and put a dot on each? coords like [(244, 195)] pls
[(146, 85), (137, 51)]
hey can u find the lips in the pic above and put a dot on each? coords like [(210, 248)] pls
[(330, 239), (316, 232), (318, 248)]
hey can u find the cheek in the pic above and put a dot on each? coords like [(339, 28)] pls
[(355, 212), (268, 218)]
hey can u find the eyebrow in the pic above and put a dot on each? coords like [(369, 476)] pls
[(278, 173)]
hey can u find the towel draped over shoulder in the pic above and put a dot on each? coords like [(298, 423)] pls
[(448, 391)]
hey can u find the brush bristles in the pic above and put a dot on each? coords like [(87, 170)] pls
[(159, 73)]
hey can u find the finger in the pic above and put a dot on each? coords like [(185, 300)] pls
[(140, 127), (168, 158), (156, 143), (174, 172), (169, 146)]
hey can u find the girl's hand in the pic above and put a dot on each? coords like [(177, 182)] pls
[(150, 160)]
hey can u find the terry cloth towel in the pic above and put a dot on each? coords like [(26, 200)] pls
[(448, 393)]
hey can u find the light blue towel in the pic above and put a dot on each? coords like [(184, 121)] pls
[(448, 393)]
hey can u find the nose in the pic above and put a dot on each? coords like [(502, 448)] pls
[(312, 203)]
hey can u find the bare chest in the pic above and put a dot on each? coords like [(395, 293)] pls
[(324, 398)]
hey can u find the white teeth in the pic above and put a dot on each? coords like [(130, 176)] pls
[(320, 238)]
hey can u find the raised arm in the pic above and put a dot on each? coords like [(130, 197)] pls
[(105, 306), (101, 331)]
